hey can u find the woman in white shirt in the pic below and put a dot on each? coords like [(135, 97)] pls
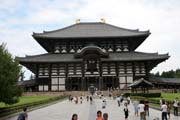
[(141, 110), (164, 110)]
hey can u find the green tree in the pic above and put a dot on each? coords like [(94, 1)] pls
[(177, 73), (168, 74), (9, 74)]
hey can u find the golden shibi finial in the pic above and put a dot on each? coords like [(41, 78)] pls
[(103, 20), (77, 21)]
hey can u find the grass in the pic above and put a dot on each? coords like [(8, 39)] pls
[(27, 99), (168, 96)]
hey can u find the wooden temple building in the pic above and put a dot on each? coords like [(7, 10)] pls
[(86, 54)]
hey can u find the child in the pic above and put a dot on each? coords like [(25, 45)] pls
[(99, 115), (126, 111), (74, 117)]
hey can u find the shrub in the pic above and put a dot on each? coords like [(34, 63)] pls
[(148, 95)]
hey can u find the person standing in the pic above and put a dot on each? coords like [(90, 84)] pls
[(164, 111), (104, 103), (160, 101), (99, 115), (128, 100), (119, 101), (24, 115), (81, 100), (175, 105), (126, 111), (168, 109), (91, 99), (135, 104), (105, 116), (74, 117), (87, 98), (141, 107), (146, 103)]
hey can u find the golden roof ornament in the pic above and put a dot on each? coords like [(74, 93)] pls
[(103, 20), (77, 21)]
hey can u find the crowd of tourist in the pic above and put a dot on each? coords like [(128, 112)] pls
[(141, 108)]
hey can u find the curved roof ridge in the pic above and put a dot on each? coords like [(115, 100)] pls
[(155, 53), (43, 54), (54, 30), (132, 30), (122, 28)]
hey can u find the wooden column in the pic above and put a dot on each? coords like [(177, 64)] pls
[(117, 74), (66, 76), (37, 76), (50, 73), (83, 82), (133, 70), (147, 70), (100, 76)]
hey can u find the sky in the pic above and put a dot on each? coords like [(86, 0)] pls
[(20, 18)]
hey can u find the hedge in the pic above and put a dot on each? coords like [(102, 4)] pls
[(13, 109), (147, 95)]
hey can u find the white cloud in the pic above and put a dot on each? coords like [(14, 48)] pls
[(161, 17)]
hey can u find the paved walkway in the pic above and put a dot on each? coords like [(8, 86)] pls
[(64, 110)]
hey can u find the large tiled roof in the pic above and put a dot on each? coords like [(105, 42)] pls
[(91, 30), (27, 83), (164, 80), (124, 56)]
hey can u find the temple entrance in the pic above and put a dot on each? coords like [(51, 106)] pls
[(91, 81), (73, 83), (110, 82), (75, 87)]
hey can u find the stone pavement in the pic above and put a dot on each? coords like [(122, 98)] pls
[(64, 110)]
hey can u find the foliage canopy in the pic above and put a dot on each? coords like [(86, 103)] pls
[(9, 74)]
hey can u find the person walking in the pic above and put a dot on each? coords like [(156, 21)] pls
[(160, 101), (135, 104), (146, 108), (81, 100), (164, 111), (24, 115), (99, 115), (104, 103), (74, 117), (128, 100), (126, 111), (119, 101), (105, 116), (175, 105), (141, 107), (168, 109), (91, 99), (87, 98)]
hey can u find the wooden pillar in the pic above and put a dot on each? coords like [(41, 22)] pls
[(117, 74), (100, 83), (113, 80), (147, 71), (37, 76), (50, 73), (100, 76), (133, 70), (83, 80), (66, 76), (82, 83)]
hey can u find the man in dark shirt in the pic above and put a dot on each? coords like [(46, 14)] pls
[(24, 115)]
